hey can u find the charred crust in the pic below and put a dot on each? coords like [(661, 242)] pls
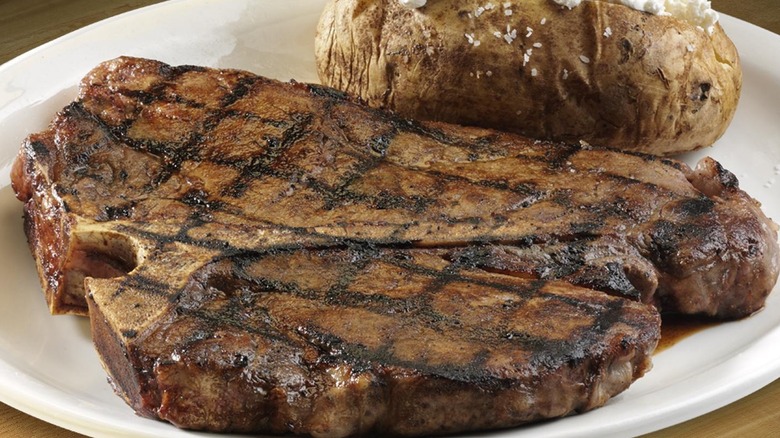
[(39, 148), (695, 206), (610, 278), (239, 91), (200, 199), (328, 92), (726, 178), (116, 212)]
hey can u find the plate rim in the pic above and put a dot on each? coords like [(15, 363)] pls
[(88, 426)]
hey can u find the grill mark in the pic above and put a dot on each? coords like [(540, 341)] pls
[(199, 198), (362, 359), (399, 124), (484, 144), (142, 283), (666, 237), (441, 278), (267, 285), (217, 116), (649, 158), (145, 97), (614, 282), (547, 353), (362, 256), (602, 321), (241, 89), (588, 228), (117, 212), (333, 95), (175, 98), (567, 261), (695, 206), (260, 165), (618, 207), (215, 320), (172, 72), (558, 157), (649, 186)]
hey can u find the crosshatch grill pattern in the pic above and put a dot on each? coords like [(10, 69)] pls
[(299, 254)]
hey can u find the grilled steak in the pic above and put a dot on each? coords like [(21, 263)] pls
[(261, 256)]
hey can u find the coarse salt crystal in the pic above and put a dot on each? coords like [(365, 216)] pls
[(526, 58), (565, 73), (608, 32), (691, 47), (537, 45), (469, 37), (529, 31), (507, 12), (479, 11), (489, 6), (510, 35), (507, 5), (488, 73), (534, 72), (544, 20), (584, 59), (477, 43), (497, 34)]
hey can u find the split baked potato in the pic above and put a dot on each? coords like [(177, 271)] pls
[(600, 72)]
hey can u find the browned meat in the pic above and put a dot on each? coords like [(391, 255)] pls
[(260, 256)]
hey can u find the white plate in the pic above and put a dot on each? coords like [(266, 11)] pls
[(48, 367)]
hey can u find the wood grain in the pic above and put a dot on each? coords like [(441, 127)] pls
[(14, 423), (28, 24)]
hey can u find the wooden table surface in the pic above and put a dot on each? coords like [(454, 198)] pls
[(25, 24)]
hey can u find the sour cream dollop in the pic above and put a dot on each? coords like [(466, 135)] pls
[(413, 3), (697, 12)]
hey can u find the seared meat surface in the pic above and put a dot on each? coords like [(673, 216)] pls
[(260, 256)]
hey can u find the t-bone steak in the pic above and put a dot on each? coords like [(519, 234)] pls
[(276, 257)]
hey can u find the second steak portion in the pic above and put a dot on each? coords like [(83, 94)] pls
[(256, 255), (362, 340)]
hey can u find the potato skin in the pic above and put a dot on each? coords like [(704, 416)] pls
[(600, 72)]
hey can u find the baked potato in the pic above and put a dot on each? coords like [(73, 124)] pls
[(599, 72)]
